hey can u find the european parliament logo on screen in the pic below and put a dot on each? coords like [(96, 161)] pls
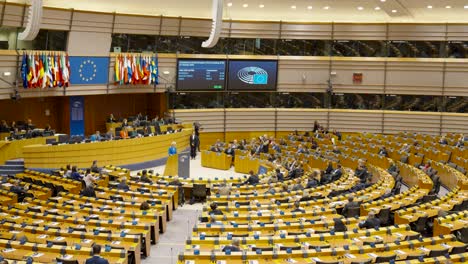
[(253, 75)]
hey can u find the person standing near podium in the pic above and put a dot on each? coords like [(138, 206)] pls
[(172, 149), (194, 142)]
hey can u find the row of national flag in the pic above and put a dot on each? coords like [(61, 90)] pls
[(41, 70), (136, 69)]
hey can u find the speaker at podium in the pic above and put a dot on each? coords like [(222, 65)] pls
[(178, 165)]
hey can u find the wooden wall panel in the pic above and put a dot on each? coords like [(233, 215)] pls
[(145, 25), (56, 19), (211, 120), (456, 78), (195, 27), (373, 73), (170, 26), (306, 31), (13, 15), (412, 122), (416, 32), (356, 121), (35, 109), (454, 123), (457, 32), (7, 64), (360, 31), (241, 120), (300, 119), (241, 29), (422, 76), (92, 22), (292, 70)]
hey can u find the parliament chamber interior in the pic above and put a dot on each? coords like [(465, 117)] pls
[(233, 131)]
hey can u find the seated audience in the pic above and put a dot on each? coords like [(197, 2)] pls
[(123, 185), (96, 258), (370, 222), (144, 177), (297, 186), (234, 247), (297, 208), (89, 191), (253, 179), (111, 119), (89, 179), (94, 167), (68, 172), (75, 175), (95, 137), (338, 225), (224, 189), (383, 152), (351, 204), (214, 209), (144, 206), (124, 133)]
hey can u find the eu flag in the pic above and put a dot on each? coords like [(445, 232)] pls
[(89, 70)]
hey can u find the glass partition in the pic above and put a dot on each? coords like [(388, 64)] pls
[(425, 103), (359, 48), (249, 100), (357, 101), (196, 100), (300, 100), (416, 49), (456, 104)]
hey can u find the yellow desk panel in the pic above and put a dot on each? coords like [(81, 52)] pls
[(116, 152)]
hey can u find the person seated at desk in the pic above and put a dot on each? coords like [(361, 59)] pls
[(89, 179), (95, 137), (336, 174), (124, 123), (214, 209), (279, 175), (298, 208), (392, 169), (29, 124), (68, 171), (312, 181), (383, 152), (111, 119), (234, 247), (124, 133), (172, 149), (110, 134), (75, 175), (443, 141), (460, 143), (13, 126), (144, 206), (253, 179), (351, 204), (96, 259), (20, 191), (215, 148), (224, 189), (297, 186), (88, 191), (4, 127), (123, 185), (144, 177), (94, 167), (338, 225), (370, 222)]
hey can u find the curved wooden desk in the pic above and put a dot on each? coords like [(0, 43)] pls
[(116, 152)]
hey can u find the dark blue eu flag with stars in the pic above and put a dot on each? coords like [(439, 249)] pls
[(89, 70)]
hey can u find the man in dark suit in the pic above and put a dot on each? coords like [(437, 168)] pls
[(123, 185), (383, 152), (351, 204), (214, 209), (144, 177), (253, 179), (279, 175), (371, 222), (234, 247), (194, 141), (96, 259), (20, 191), (436, 180), (336, 173)]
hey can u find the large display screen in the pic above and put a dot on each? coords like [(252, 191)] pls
[(252, 75), (201, 75)]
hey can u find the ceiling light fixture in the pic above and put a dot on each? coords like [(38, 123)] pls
[(229, 4), (309, 7), (429, 6), (394, 11), (360, 8), (245, 5), (326, 7), (377, 8), (466, 7), (293, 7), (448, 7), (382, 0), (261, 6)]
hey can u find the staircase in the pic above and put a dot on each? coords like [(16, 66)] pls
[(12, 167)]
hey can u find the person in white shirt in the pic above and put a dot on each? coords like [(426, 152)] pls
[(89, 179)]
